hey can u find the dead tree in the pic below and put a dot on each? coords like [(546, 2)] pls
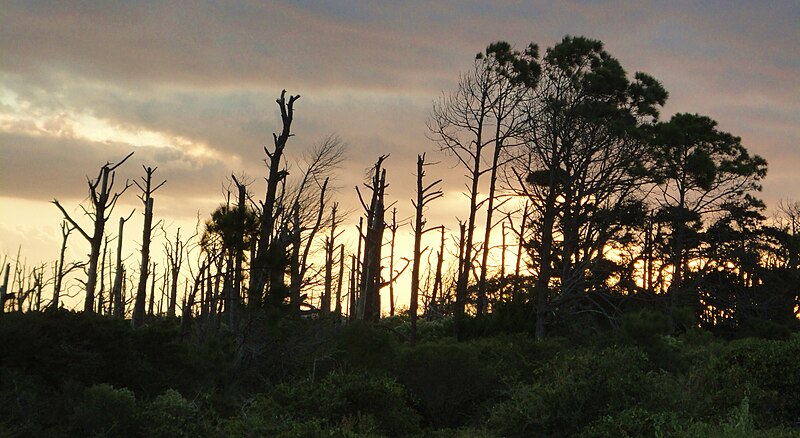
[(520, 246), (103, 202), (393, 233), (100, 299), (152, 289), (330, 249), (146, 198), (262, 265), (302, 258), (4, 288), (175, 256), (238, 244), (116, 292), (338, 307), (352, 298), (369, 305), (437, 278), (425, 195), (66, 229)]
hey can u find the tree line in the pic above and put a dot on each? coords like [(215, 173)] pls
[(600, 208)]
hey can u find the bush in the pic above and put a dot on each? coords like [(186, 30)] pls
[(634, 422), (171, 415), (347, 402), (366, 346), (448, 380), (105, 411), (765, 371), (576, 389)]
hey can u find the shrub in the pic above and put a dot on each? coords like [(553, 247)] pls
[(105, 411), (634, 422), (171, 415), (576, 389), (448, 380), (366, 346), (347, 402), (765, 371)]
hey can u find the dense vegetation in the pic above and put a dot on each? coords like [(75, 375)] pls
[(80, 374)]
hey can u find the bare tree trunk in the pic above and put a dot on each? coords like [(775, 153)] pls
[(338, 308), (152, 290), (520, 242), (461, 294), (38, 281), (4, 289), (370, 303), (141, 291), (352, 298), (175, 258), (65, 232), (103, 204), (117, 289), (262, 263), (425, 194), (239, 249), (502, 276), (437, 279), (309, 241), (294, 263), (330, 247), (393, 231)]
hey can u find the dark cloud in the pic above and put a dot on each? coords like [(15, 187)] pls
[(43, 168)]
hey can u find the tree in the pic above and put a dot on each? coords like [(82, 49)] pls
[(147, 199), (264, 266), (61, 270), (369, 303), (582, 168), (425, 195), (103, 202), (330, 249), (116, 292), (478, 117), (175, 256), (698, 169)]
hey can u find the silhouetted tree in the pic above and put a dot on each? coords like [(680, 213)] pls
[(147, 199), (698, 169), (425, 195), (116, 291), (582, 166), (103, 202), (265, 260), (369, 303)]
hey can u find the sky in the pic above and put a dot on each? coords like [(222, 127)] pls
[(190, 87)]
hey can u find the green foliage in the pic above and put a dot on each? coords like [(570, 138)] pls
[(312, 378), (366, 346), (634, 422), (105, 411), (764, 371), (448, 379), (347, 403), (171, 415), (573, 390)]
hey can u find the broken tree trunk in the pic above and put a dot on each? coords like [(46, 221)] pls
[(425, 195), (103, 203), (370, 302), (147, 198), (263, 263)]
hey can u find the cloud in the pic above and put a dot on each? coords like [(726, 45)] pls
[(191, 86), (43, 168)]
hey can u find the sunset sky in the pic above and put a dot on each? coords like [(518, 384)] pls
[(191, 88)]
